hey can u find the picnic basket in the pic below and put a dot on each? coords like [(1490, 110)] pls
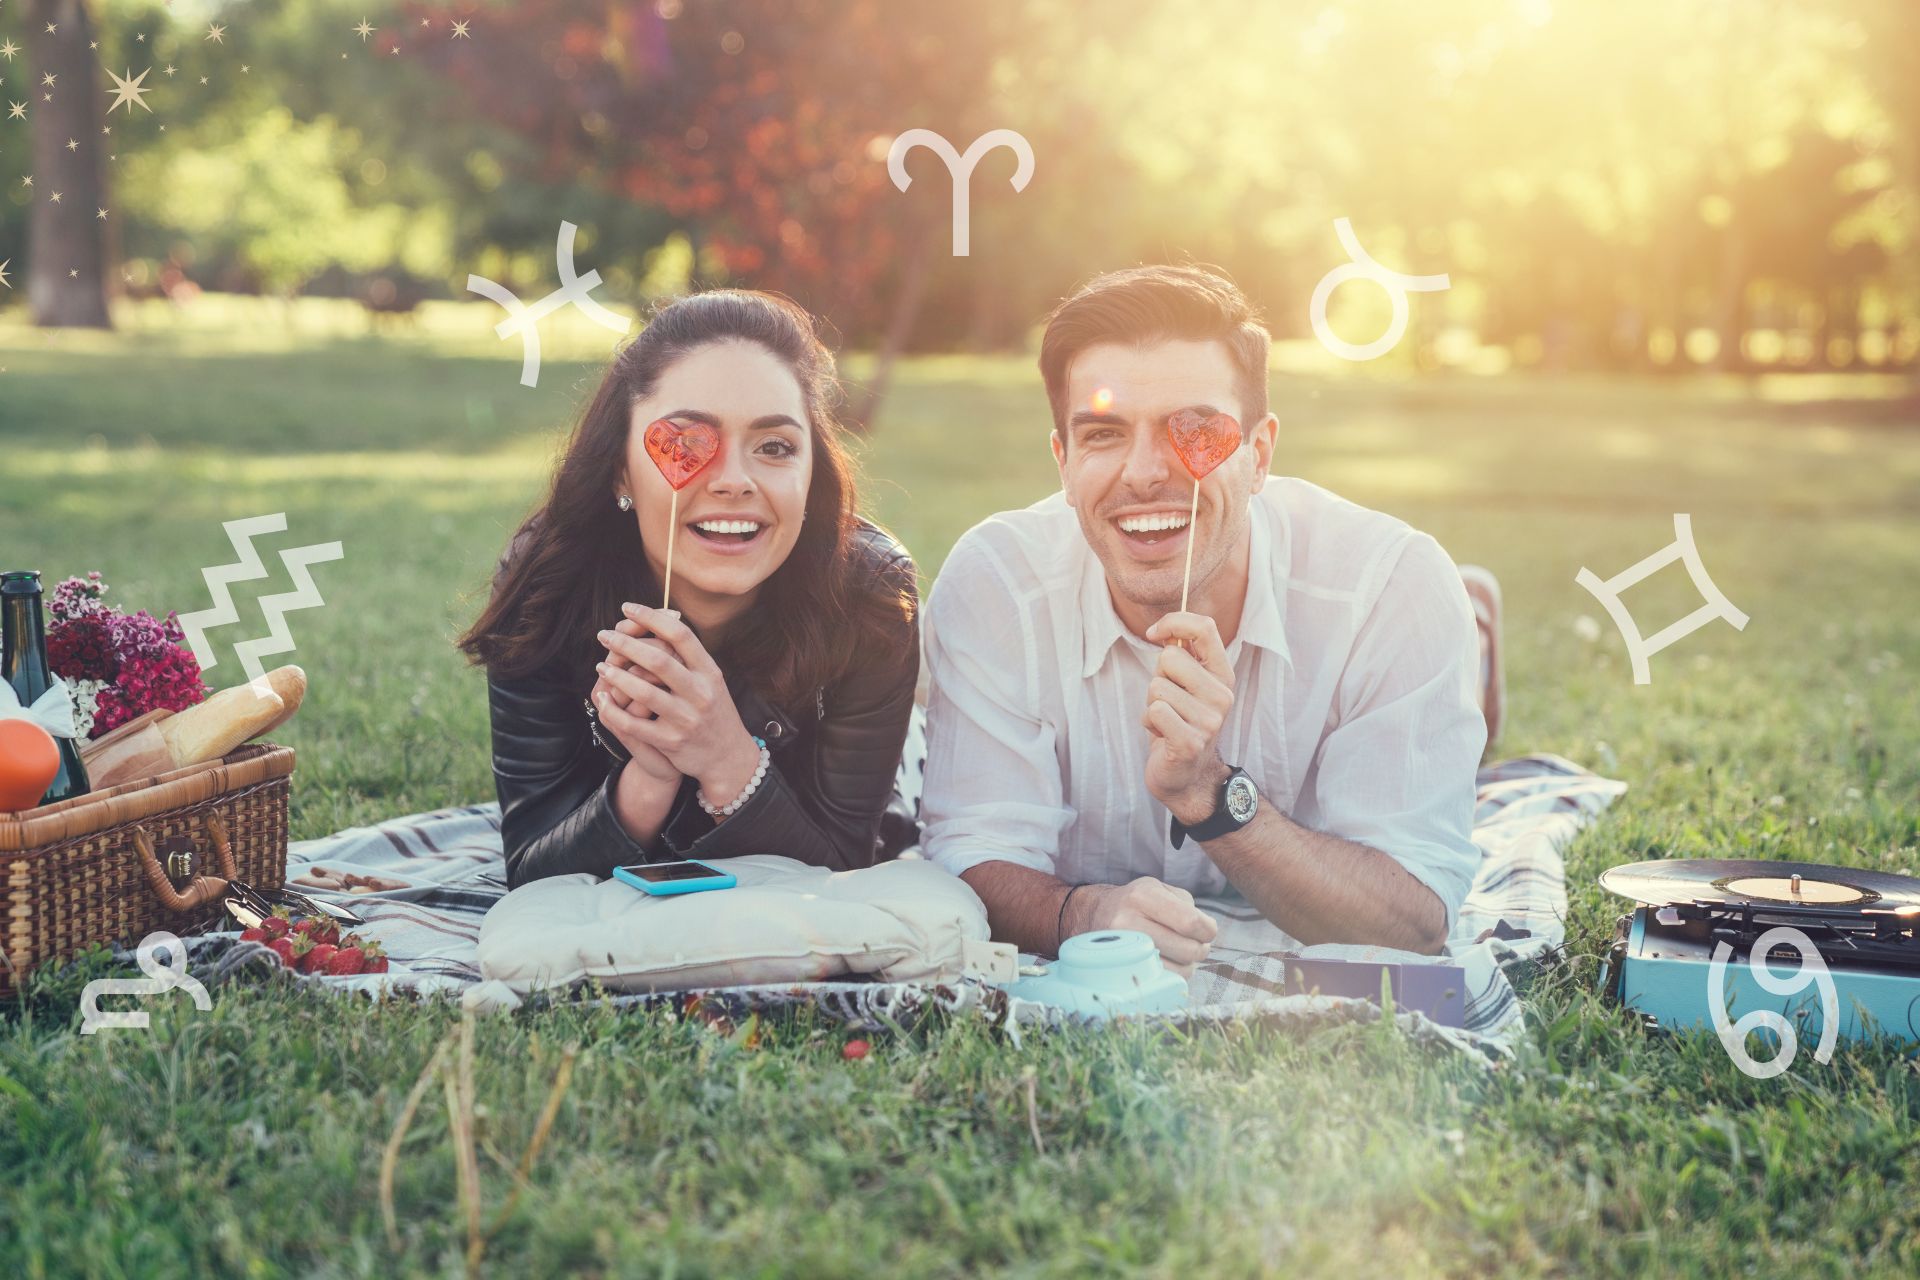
[(154, 853)]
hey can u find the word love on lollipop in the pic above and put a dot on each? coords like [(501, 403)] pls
[(681, 451), (1203, 441)]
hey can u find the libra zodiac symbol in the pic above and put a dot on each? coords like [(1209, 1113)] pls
[(1682, 548), (961, 167)]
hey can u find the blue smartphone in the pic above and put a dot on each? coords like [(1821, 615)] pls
[(664, 879)]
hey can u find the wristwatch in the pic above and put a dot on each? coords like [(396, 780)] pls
[(1239, 800)]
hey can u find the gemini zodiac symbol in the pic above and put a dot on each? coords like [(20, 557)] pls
[(1682, 549)]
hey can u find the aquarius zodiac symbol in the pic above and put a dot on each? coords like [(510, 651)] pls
[(1363, 267), (961, 167), (160, 978), (1812, 972), (523, 319), (278, 639), (1682, 548)]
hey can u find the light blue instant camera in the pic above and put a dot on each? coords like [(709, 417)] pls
[(1107, 972)]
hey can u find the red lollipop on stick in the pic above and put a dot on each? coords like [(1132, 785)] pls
[(681, 451), (1203, 441)]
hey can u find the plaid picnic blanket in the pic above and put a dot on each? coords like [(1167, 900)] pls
[(1529, 808)]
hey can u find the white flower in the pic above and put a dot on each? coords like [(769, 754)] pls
[(1587, 627), (86, 701)]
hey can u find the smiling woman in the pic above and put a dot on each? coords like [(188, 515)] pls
[(766, 713)]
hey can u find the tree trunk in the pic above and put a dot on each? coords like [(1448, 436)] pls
[(906, 309), (67, 263)]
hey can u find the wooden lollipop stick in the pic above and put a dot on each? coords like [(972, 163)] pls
[(1186, 579), (673, 525)]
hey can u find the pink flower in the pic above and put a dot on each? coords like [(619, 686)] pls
[(137, 659)]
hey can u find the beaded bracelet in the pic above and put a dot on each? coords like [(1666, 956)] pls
[(753, 785)]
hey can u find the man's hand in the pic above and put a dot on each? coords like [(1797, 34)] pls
[(1183, 933), (1187, 703)]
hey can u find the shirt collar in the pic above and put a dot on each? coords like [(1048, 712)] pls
[(1262, 619)]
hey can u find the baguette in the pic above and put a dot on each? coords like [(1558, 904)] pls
[(291, 684), (212, 728)]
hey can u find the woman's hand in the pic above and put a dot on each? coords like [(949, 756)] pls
[(613, 706), (668, 675)]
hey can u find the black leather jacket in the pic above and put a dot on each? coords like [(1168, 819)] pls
[(823, 799)]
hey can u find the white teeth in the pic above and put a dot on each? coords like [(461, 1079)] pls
[(1152, 524), (727, 526)]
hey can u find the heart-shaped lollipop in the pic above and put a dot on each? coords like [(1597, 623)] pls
[(681, 450), (1203, 441)]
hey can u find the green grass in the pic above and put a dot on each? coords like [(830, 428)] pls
[(247, 1140)]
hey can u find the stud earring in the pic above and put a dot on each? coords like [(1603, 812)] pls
[(626, 502)]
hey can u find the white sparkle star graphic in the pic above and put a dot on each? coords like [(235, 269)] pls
[(203, 79), (72, 145), (363, 30), (170, 70), (7, 49), (17, 111), (73, 273), (27, 180), (48, 79), (3, 273), (56, 197), (128, 92), (52, 30), (460, 31), (141, 38), (215, 33), (99, 213)]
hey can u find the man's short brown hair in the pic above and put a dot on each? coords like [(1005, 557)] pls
[(1157, 304)]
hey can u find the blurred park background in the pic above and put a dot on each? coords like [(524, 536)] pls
[(1612, 185)]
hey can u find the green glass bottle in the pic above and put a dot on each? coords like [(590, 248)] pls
[(23, 664)]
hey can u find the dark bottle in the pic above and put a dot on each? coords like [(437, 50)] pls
[(23, 664)]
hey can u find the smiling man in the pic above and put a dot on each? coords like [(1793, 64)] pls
[(1305, 735)]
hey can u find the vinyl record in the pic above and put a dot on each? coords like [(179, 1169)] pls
[(1664, 882)]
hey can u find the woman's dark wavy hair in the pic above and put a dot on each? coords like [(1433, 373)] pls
[(577, 557)]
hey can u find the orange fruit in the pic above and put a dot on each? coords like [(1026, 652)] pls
[(28, 761)]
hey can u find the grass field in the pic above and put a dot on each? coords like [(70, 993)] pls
[(247, 1141)]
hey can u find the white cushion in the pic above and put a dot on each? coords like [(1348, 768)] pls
[(903, 921)]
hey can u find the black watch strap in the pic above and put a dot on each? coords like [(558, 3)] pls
[(1221, 821)]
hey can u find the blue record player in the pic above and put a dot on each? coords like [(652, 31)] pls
[(1832, 942)]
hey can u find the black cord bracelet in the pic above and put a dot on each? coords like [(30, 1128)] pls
[(1060, 925)]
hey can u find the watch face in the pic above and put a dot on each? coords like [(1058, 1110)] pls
[(1242, 799)]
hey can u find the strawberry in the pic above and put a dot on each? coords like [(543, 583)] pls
[(279, 924), (856, 1050), (317, 956), (344, 962), (375, 957), (255, 934), (320, 929), (282, 946)]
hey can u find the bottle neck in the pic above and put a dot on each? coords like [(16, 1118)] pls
[(25, 661)]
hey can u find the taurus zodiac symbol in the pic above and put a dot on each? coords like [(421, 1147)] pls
[(1363, 267), (961, 167)]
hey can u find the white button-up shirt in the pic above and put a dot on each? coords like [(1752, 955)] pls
[(1356, 698)]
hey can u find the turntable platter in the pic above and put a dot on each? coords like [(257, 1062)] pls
[(1665, 882)]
